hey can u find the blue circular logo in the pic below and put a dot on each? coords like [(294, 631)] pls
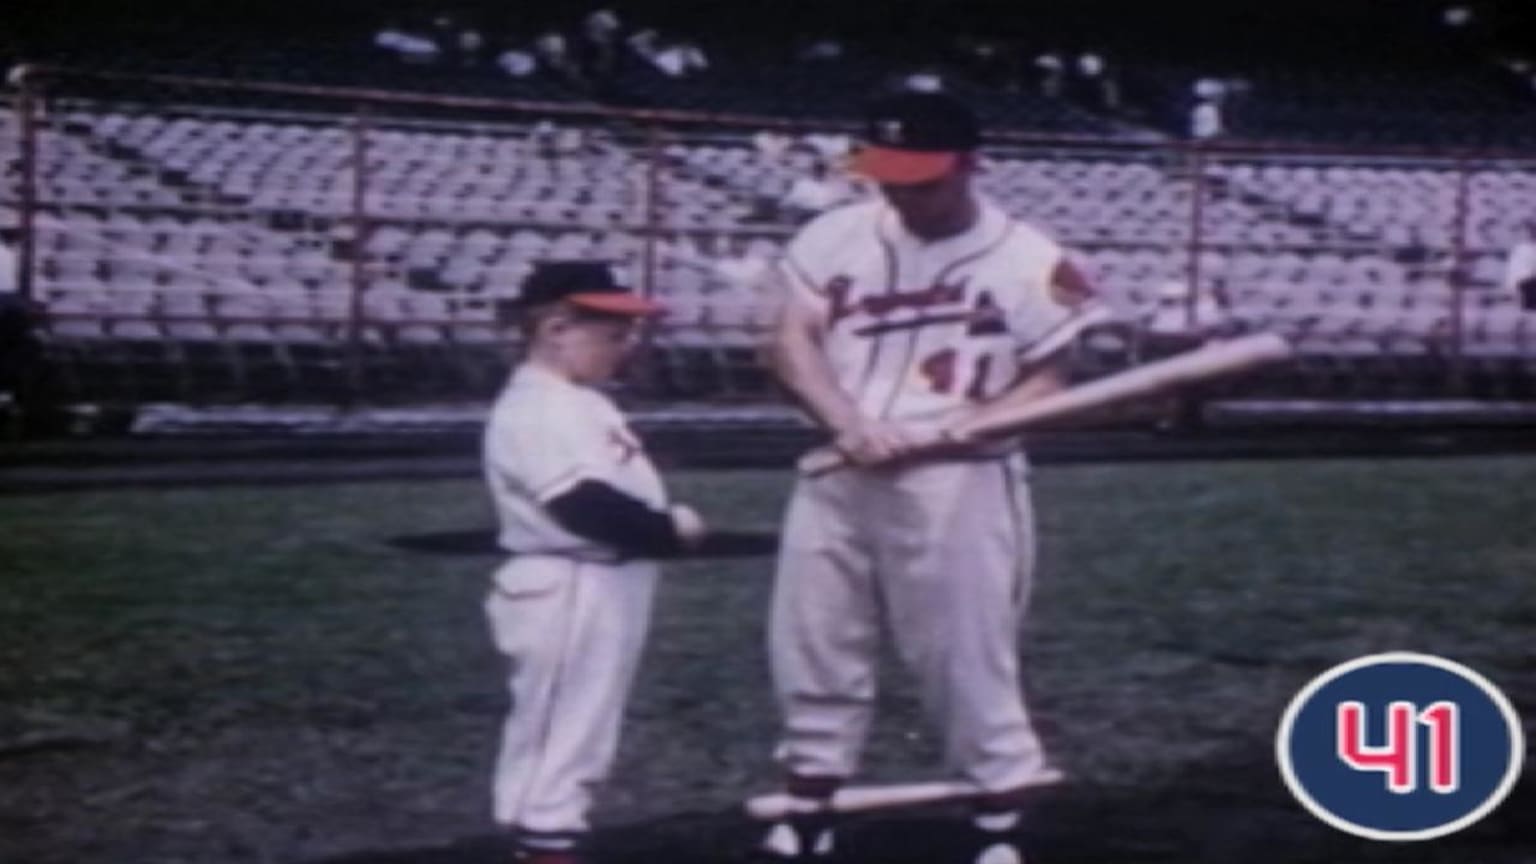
[(1400, 747)]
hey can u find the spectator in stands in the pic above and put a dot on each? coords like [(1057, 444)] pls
[(408, 46), (767, 193), (1205, 120), (924, 81), (670, 61), (550, 48), (1053, 72), (1094, 82), (697, 59), (600, 32), (470, 44), (1109, 89), (830, 146), (1212, 89), (517, 62), (390, 36), (554, 54), (645, 44), (742, 266), (570, 141), (771, 145), (680, 59), (542, 139), (1520, 268), (674, 58), (1171, 316), (601, 26), (814, 194)]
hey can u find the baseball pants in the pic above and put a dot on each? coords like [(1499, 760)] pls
[(944, 553), (573, 633)]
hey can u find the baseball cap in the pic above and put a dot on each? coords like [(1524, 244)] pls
[(587, 284), (915, 137)]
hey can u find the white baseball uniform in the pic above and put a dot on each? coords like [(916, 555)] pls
[(569, 614), (944, 550)]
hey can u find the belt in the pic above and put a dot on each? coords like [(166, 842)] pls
[(967, 457), (944, 459)]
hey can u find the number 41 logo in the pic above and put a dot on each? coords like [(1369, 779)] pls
[(1398, 758), (1400, 746)]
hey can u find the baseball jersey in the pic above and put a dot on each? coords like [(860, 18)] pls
[(916, 327), (545, 435)]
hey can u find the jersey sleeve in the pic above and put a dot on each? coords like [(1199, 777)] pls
[(599, 512), (806, 271), (1055, 311), (548, 449), (793, 277)]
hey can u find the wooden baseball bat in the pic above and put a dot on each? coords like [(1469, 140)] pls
[(1215, 360), (862, 799), (859, 799)]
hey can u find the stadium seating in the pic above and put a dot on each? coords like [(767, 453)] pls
[(232, 238)]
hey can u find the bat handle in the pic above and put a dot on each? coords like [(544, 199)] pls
[(825, 460)]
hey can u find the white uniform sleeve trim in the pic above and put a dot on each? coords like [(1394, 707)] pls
[(565, 482), (1062, 334), (798, 275)]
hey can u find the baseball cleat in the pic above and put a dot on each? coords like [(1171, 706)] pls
[(800, 837), (547, 847), (996, 838)]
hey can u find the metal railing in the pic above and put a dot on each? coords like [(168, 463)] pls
[(353, 182)]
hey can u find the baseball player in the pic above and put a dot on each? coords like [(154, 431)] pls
[(908, 314), (582, 512)]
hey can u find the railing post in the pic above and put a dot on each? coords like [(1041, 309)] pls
[(1458, 274), (648, 359), (652, 208), (359, 254), (1196, 236), (26, 214)]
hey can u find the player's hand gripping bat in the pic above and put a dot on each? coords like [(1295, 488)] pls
[(1216, 360)]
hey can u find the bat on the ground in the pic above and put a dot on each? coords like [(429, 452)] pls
[(862, 799), (859, 799), (1216, 360)]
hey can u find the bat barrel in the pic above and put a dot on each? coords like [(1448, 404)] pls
[(1216, 360)]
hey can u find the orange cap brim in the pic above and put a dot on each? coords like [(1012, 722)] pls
[(614, 303), (902, 167)]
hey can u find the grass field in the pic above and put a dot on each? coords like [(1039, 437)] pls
[(255, 675)]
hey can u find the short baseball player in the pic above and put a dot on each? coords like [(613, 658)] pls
[(583, 513), (912, 312)]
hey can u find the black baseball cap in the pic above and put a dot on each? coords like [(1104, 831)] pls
[(914, 137), (587, 284)]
